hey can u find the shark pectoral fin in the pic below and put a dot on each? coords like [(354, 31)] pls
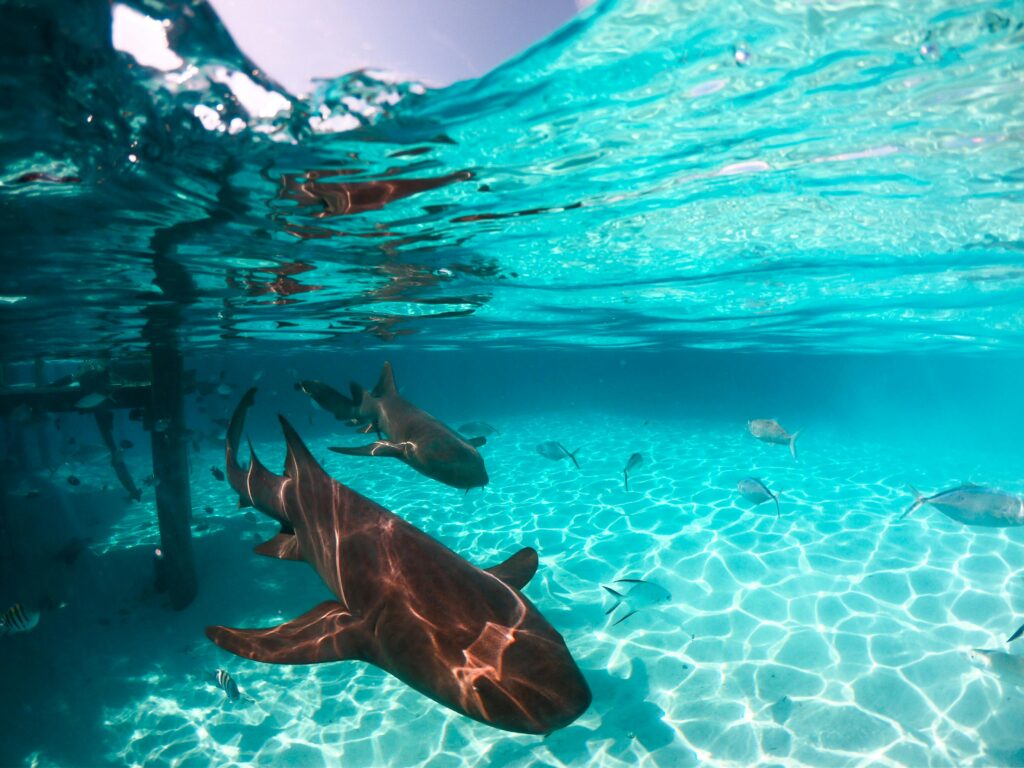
[(379, 448), (476, 442), (518, 569), (326, 633), (284, 546)]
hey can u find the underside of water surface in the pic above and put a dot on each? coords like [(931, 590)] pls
[(662, 222)]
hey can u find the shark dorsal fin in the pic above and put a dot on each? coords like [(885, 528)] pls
[(517, 570), (386, 383), (298, 454)]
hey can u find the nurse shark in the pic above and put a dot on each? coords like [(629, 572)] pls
[(464, 636), (414, 436)]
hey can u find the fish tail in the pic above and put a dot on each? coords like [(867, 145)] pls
[(625, 478), (792, 443), (573, 457), (1016, 634), (624, 617), (778, 512), (919, 499), (619, 597)]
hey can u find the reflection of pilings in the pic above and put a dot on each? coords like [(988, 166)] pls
[(170, 464)]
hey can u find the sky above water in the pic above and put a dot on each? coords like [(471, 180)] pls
[(438, 42)]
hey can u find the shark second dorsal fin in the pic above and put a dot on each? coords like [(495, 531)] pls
[(326, 633), (284, 546), (386, 383), (518, 569)]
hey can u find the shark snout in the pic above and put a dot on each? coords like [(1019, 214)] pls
[(540, 689), (463, 470), (534, 705)]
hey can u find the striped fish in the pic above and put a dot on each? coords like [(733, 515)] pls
[(17, 619), (223, 680)]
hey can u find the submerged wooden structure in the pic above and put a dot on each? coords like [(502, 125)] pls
[(156, 385)]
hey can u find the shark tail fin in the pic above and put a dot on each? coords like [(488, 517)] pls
[(625, 478), (919, 499), (235, 426), (792, 443), (386, 383), (330, 399), (778, 512), (619, 597)]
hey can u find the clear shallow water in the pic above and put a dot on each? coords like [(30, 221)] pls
[(661, 222), (834, 635)]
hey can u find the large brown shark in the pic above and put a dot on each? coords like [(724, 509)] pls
[(414, 436), (465, 637)]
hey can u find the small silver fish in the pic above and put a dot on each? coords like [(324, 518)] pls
[(770, 431), (974, 505), (17, 619), (554, 450), (91, 401), (639, 593), (636, 460), (754, 490)]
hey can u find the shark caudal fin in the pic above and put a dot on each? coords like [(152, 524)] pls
[(255, 485), (919, 499), (778, 512), (237, 423), (331, 400), (792, 443), (386, 383), (237, 475)]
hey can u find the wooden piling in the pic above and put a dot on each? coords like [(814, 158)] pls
[(166, 417)]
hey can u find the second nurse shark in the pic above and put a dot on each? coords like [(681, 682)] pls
[(414, 436)]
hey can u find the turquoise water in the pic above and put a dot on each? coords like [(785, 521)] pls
[(662, 222)]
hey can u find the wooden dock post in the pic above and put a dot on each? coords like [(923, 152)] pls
[(166, 417)]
